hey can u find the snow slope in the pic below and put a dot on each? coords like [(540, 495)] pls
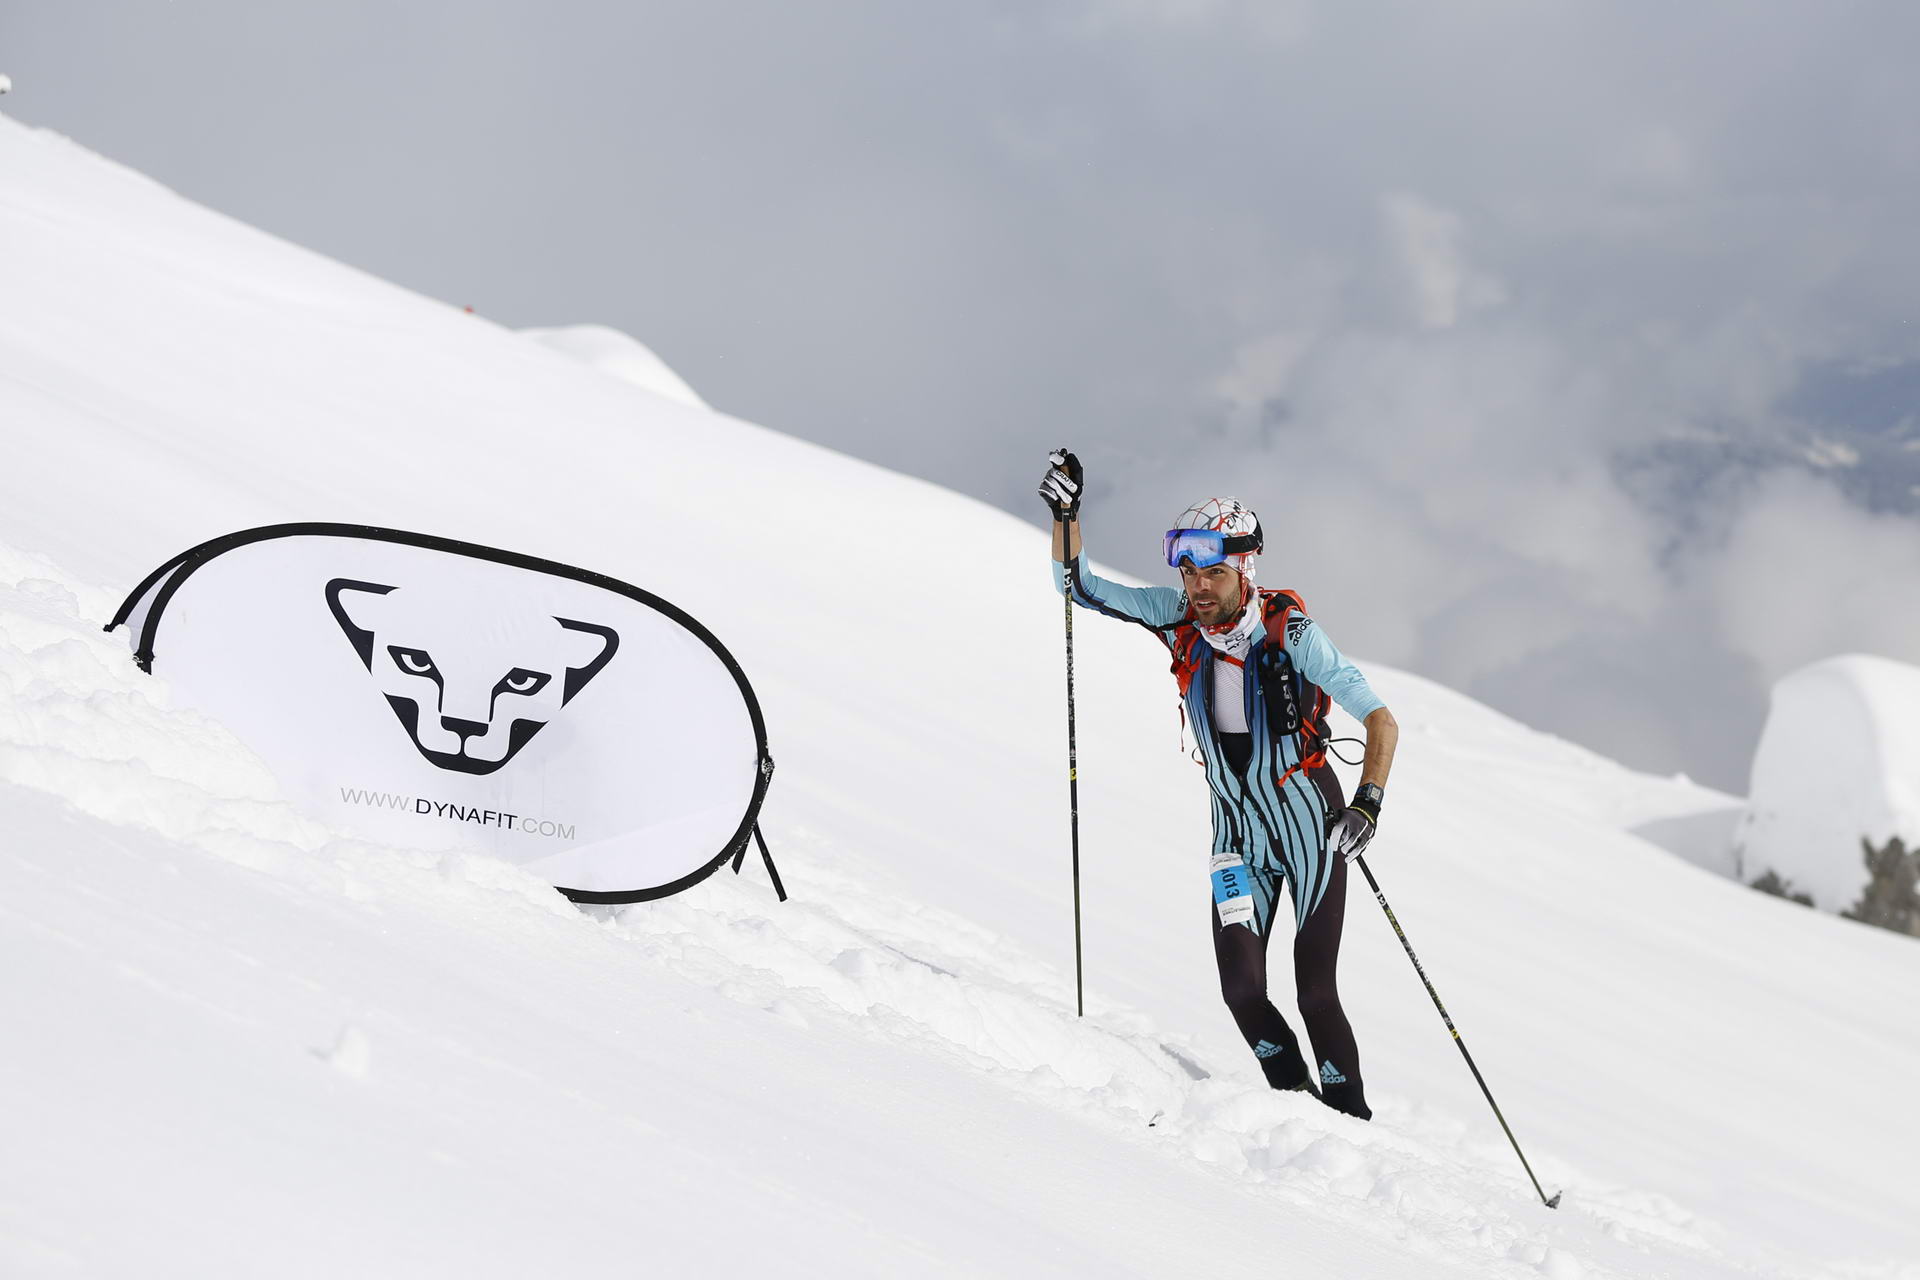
[(242, 1043), (1838, 761)]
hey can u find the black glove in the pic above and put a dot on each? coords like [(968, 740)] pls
[(1061, 489), (1352, 828)]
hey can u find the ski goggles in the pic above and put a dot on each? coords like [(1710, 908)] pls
[(1204, 548)]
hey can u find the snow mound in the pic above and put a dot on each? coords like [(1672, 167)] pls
[(613, 352), (1838, 762)]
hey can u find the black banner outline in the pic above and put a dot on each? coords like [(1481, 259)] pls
[(182, 567)]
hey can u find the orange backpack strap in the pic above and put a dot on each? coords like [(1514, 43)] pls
[(1187, 660)]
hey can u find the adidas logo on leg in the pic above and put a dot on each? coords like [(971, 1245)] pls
[(1329, 1075)]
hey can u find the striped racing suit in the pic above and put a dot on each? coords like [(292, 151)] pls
[(1273, 798)]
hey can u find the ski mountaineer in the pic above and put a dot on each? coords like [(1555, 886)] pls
[(1256, 675)]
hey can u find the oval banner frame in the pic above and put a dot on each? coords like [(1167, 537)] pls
[(465, 748)]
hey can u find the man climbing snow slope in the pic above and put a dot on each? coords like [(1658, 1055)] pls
[(1256, 676)]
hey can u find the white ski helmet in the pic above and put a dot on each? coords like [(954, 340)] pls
[(1232, 519)]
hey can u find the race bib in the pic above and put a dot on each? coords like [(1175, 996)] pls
[(1232, 889)]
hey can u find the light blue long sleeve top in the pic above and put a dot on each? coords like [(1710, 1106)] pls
[(1274, 815)]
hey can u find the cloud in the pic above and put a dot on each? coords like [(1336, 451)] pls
[(1569, 520), (1802, 574), (1426, 239)]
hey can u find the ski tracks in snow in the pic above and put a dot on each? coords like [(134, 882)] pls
[(847, 954)]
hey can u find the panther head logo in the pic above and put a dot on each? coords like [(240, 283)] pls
[(469, 697)]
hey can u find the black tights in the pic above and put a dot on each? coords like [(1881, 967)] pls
[(1242, 956)]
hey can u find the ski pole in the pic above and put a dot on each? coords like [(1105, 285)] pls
[(1420, 969), (1073, 778)]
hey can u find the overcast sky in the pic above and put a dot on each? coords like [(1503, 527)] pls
[(1526, 326)]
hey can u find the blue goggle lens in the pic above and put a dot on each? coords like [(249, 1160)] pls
[(1204, 548)]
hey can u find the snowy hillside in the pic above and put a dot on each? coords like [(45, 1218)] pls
[(1838, 762), (241, 1044)]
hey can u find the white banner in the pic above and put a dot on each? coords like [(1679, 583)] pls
[(435, 694)]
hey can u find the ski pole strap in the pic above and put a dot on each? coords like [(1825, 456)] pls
[(1326, 744)]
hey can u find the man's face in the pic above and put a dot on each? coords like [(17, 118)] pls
[(1214, 592)]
